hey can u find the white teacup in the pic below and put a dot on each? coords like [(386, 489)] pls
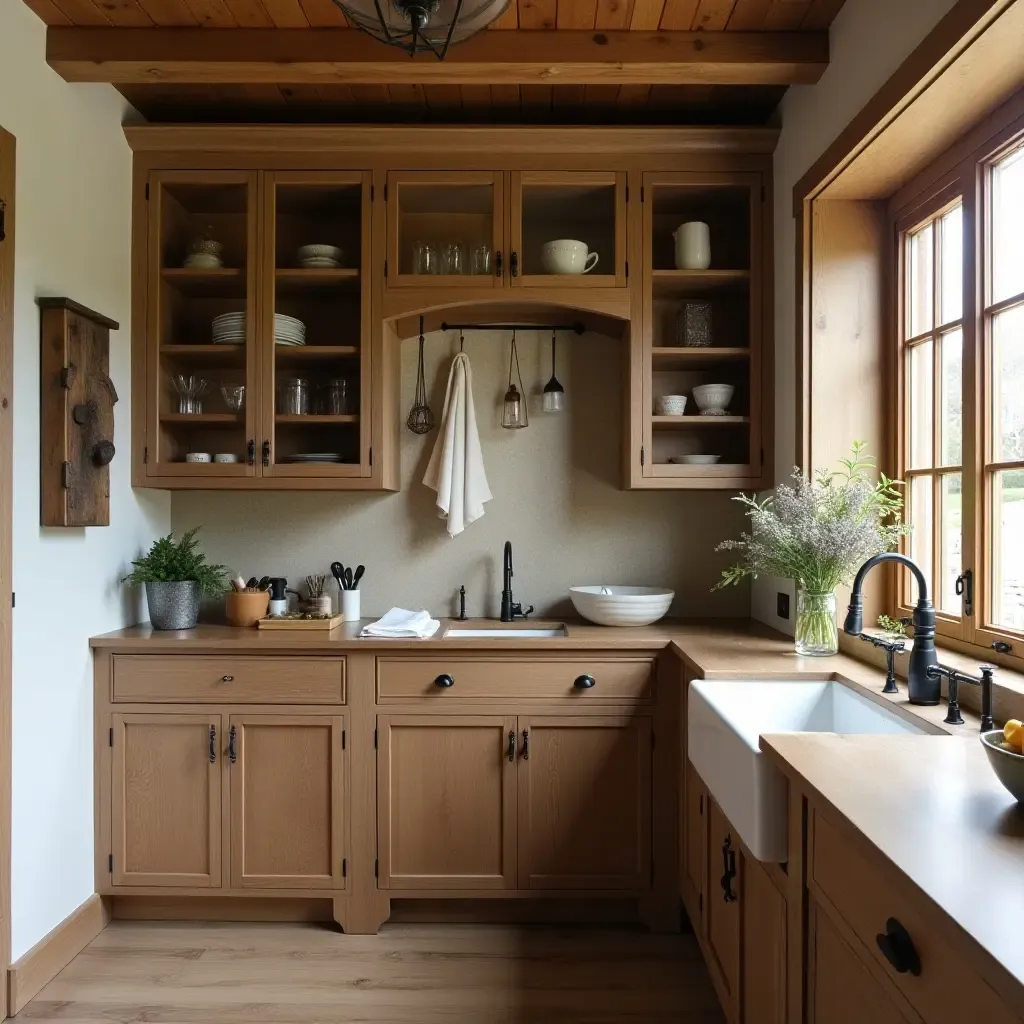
[(567, 256)]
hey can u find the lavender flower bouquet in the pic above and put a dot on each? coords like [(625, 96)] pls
[(818, 532)]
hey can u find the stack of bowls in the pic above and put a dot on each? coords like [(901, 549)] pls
[(670, 405)]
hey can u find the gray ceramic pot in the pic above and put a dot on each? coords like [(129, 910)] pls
[(173, 605)]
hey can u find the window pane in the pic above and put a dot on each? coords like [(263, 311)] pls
[(919, 401), (1008, 385), (1007, 550), (920, 307), (952, 532), (919, 515), (952, 398), (1008, 226), (951, 287)]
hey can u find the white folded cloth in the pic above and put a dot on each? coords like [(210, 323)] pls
[(400, 623), (456, 468)]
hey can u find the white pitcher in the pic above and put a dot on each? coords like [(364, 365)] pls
[(693, 245)]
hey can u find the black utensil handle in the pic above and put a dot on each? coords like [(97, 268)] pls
[(897, 947), (729, 865), (514, 265), (213, 744), (232, 751), (526, 744), (585, 682), (444, 681), (511, 745)]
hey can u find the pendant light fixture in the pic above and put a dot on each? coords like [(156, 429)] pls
[(554, 393), (513, 414), (422, 26)]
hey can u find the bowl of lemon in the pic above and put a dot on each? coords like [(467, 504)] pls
[(1005, 750)]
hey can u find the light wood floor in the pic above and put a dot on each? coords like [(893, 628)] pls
[(187, 973)]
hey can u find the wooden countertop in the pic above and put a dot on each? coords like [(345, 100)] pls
[(933, 808)]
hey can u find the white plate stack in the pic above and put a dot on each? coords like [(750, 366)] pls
[(229, 329), (288, 330)]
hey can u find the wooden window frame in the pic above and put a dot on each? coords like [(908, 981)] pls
[(939, 186)]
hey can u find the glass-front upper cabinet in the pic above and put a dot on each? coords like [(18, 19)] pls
[(568, 229), (316, 372), (201, 322), (445, 229)]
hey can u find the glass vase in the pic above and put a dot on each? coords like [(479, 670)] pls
[(816, 632)]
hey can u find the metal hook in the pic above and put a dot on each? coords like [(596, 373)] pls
[(462, 341)]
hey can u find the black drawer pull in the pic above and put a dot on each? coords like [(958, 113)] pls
[(898, 948), (445, 681), (232, 751), (585, 682), (526, 744), (729, 864), (227, 679), (213, 744), (511, 745)]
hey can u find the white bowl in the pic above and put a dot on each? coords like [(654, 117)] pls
[(319, 252), (713, 398), (621, 606), (670, 405), (226, 457), (1006, 763), (695, 460), (198, 457), (567, 256)]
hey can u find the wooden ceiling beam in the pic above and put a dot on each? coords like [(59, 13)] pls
[(129, 56)]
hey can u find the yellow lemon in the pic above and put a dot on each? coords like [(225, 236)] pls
[(1013, 733)]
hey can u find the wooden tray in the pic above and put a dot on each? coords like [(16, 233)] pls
[(334, 620)]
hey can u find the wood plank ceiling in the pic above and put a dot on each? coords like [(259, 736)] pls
[(453, 103)]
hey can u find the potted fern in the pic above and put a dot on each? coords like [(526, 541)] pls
[(176, 575)]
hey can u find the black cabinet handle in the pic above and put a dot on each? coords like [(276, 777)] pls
[(585, 682), (898, 948), (513, 268), (227, 679), (526, 744), (232, 752), (251, 448), (445, 681), (511, 745), (266, 453), (729, 865), (497, 264), (213, 744)]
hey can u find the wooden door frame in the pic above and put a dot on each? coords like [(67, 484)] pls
[(7, 175)]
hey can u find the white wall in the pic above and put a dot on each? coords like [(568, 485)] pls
[(73, 199), (869, 40)]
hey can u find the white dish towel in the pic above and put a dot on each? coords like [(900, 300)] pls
[(456, 468), (399, 623)]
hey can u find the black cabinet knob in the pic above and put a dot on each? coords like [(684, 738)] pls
[(444, 681), (898, 948), (585, 682), (227, 679), (103, 453)]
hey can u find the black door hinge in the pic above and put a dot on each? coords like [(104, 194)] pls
[(147, 189), (627, 268), (65, 475), (627, 193), (111, 736), (342, 739), (643, 456), (3, 220), (702, 805), (653, 738), (641, 193), (371, 193), (385, 191), (344, 868), (12, 598), (385, 270), (110, 863), (965, 588), (700, 901), (376, 869), (374, 739), (371, 454), (145, 454)]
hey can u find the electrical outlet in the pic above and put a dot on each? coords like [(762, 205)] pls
[(782, 605)]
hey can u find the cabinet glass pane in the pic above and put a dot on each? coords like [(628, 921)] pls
[(920, 517), (951, 535), (919, 395), (317, 323), (579, 218), (1008, 385), (1007, 569), (951, 390), (445, 230), (202, 322), (920, 281), (1008, 226), (951, 254)]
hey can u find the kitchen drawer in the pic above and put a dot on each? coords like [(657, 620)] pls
[(404, 679), (148, 679), (947, 990)]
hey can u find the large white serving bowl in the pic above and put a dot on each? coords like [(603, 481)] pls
[(621, 606)]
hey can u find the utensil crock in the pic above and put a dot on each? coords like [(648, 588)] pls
[(350, 610), (241, 609)]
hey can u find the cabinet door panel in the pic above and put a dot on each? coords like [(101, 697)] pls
[(764, 947), (446, 802), (585, 803), (165, 795), (722, 903), (288, 801), (841, 989)]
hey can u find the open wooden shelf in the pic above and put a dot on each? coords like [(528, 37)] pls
[(315, 420), (698, 421), (301, 279), (681, 283), (205, 419), (677, 358)]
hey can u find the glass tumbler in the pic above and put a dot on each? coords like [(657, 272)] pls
[(480, 262), (293, 396), (335, 398), (424, 259), (453, 259)]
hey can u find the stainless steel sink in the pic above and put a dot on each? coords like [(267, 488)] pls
[(509, 633)]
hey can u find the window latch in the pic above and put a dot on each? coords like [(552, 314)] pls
[(965, 590)]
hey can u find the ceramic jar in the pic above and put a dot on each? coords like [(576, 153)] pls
[(693, 245)]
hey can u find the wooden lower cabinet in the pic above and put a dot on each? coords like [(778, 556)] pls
[(446, 791), (840, 987), (288, 807), (722, 907), (695, 843), (166, 799), (763, 950), (585, 803)]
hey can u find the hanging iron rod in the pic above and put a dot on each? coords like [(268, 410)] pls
[(575, 328)]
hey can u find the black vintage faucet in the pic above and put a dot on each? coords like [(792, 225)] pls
[(924, 685), (510, 610)]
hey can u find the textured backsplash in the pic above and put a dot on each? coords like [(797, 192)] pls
[(557, 497)]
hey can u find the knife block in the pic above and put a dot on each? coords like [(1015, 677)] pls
[(76, 414)]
